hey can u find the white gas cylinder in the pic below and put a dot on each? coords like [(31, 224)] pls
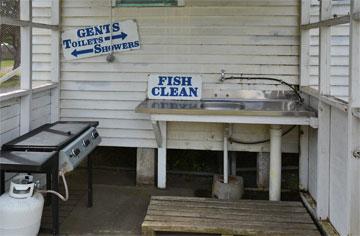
[(21, 208)]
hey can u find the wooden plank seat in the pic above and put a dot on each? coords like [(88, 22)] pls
[(212, 216)]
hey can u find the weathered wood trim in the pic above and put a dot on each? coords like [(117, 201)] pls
[(330, 100), (14, 94), (26, 23), (327, 23)]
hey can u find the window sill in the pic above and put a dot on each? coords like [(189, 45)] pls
[(45, 86), (329, 100), (23, 92)]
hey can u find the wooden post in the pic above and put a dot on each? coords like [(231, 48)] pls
[(304, 158), (323, 162), (161, 162), (305, 44), (55, 61), (354, 67), (353, 174), (325, 49), (26, 66)]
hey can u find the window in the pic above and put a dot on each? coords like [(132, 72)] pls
[(325, 48), (148, 3), (9, 48), (28, 44)]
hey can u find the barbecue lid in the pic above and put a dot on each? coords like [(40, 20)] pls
[(49, 137)]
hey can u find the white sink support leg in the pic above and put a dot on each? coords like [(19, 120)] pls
[(226, 153), (161, 162), (275, 163), (233, 163)]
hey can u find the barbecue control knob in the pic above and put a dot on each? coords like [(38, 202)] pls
[(86, 142), (95, 134), (75, 152)]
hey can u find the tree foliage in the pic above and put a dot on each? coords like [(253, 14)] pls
[(10, 35)]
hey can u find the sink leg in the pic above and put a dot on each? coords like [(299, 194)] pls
[(275, 163), (161, 161), (226, 154), (233, 163)]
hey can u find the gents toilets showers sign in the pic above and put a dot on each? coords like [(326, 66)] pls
[(177, 87), (100, 39)]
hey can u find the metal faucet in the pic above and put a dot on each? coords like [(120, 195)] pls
[(222, 77)]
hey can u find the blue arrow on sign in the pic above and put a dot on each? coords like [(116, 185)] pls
[(75, 53), (118, 36)]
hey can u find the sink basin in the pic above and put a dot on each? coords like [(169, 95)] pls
[(214, 105), (267, 107), (249, 105)]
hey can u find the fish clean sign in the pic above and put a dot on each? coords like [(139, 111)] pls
[(176, 87), (100, 39)]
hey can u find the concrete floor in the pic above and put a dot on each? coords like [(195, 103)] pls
[(119, 206)]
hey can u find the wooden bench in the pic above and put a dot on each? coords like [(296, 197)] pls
[(212, 216)]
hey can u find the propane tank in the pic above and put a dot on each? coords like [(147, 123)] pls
[(21, 208)]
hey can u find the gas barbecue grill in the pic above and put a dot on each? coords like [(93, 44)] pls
[(71, 140)]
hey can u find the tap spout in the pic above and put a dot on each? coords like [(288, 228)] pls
[(222, 76)]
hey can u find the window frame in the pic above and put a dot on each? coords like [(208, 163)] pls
[(325, 22), (26, 90)]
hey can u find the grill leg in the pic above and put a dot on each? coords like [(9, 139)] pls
[(48, 186), (2, 182), (90, 182), (55, 200)]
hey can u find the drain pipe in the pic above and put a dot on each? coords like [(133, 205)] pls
[(275, 163)]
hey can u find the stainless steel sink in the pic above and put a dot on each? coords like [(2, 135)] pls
[(221, 105), (282, 105), (273, 105)]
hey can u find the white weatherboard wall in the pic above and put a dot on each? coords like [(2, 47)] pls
[(338, 171), (257, 37), (313, 148), (9, 120), (10, 115), (41, 48), (338, 167)]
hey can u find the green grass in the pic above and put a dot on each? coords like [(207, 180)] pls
[(11, 84), (6, 66), (7, 63)]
